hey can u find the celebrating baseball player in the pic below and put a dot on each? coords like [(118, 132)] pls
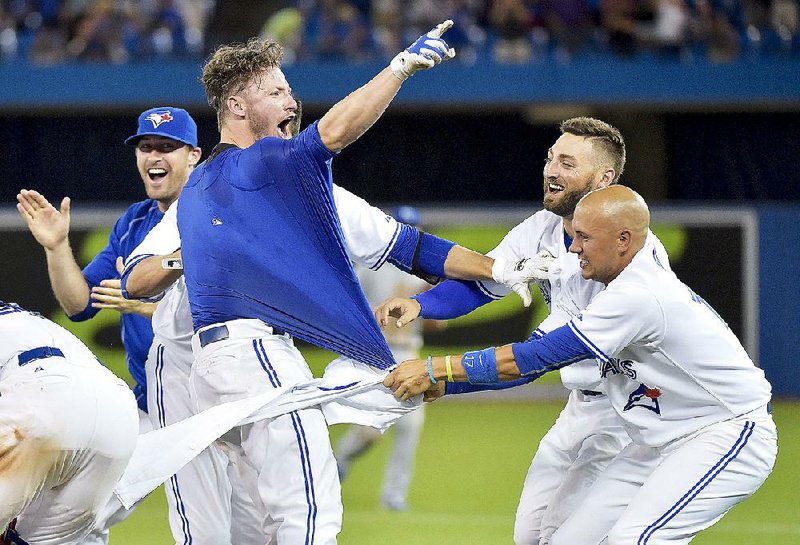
[(166, 151), (693, 402), (264, 261), (587, 435), (67, 429)]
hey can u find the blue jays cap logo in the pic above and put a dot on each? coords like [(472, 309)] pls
[(157, 118), (644, 397)]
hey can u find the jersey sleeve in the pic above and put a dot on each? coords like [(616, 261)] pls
[(617, 317), (370, 233)]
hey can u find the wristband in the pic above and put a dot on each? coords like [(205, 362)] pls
[(430, 369), (480, 366), (449, 368)]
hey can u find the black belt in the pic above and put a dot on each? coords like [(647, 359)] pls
[(591, 393), (38, 353), (220, 333)]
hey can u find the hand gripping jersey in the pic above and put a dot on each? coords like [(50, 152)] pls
[(670, 364)]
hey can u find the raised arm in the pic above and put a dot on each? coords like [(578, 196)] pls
[(50, 228), (358, 111)]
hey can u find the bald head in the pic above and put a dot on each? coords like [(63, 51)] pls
[(611, 226)]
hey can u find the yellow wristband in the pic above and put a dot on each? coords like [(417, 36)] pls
[(448, 368)]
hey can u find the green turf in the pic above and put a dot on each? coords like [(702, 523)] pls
[(470, 467)]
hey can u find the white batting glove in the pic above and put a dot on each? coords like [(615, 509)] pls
[(428, 51), (517, 275)]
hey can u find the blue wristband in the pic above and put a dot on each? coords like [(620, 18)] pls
[(480, 366), (430, 369)]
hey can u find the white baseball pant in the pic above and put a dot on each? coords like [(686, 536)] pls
[(584, 439), (661, 496), (67, 430), (204, 507), (295, 479)]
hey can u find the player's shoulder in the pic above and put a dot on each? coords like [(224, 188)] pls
[(139, 210)]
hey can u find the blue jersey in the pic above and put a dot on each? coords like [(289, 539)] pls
[(261, 239), (136, 331)]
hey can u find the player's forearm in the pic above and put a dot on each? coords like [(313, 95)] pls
[(464, 264), (505, 366), (67, 280), (148, 278), (358, 111)]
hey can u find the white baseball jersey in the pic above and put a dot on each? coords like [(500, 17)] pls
[(69, 420), (670, 364)]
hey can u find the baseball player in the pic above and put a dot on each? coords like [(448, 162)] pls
[(68, 427), (405, 344), (264, 259), (587, 435), (676, 375), (166, 151)]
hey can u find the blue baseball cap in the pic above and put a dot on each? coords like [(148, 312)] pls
[(168, 122), (406, 214)]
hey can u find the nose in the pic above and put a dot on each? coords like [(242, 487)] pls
[(574, 246), (549, 170), (292, 103)]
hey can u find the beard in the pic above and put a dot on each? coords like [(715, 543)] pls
[(258, 128), (566, 202)]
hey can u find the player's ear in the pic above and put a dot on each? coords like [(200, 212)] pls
[(624, 240), (194, 156), (607, 178), (235, 105)]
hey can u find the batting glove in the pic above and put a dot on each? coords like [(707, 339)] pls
[(428, 51), (516, 275)]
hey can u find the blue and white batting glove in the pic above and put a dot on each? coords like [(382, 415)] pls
[(517, 275), (428, 51)]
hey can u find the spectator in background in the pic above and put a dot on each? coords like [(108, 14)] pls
[(511, 21), (618, 18), (715, 33), (669, 31), (344, 33), (569, 23)]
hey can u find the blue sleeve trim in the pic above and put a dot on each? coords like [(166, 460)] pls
[(127, 272), (557, 349), (431, 254), (401, 253), (455, 388), (451, 299), (596, 352), (86, 314)]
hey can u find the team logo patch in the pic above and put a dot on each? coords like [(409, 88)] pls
[(157, 118), (644, 397)]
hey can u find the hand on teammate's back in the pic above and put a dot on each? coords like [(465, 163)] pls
[(49, 226), (426, 52)]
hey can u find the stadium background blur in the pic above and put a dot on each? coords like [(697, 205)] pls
[(706, 92)]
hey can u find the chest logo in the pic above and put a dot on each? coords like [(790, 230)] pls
[(216, 222), (644, 397)]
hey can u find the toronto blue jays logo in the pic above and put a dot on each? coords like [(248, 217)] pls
[(644, 397), (157, 118)]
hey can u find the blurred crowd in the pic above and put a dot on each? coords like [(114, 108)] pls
[(50, 32)]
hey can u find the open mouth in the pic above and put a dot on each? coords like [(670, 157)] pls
[(156, 174), (283, 127), (553, 187)]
